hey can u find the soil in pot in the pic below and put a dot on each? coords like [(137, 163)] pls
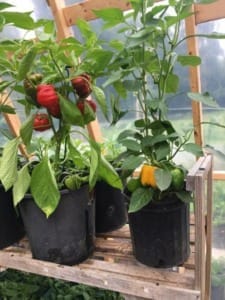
[(111, 211), (11, 225), (160, 233), (67, 236)]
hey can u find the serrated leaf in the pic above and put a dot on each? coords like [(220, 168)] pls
[(163, 179), (21, 185), (44, 187), (8, 165), (140, 198)]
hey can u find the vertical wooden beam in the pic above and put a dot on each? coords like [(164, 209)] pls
[(209, 231), (64, 31), (194, 75), (13, 122)]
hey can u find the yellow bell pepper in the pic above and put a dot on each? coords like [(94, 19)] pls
[(147, 176)]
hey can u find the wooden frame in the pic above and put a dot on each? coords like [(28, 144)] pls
[(113, 266), (106, 274)]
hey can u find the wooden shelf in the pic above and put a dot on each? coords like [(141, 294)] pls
[(113, 266)]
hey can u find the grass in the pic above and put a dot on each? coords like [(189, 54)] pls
[(15, 285)]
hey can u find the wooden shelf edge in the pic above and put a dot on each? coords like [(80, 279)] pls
[(102, 279)]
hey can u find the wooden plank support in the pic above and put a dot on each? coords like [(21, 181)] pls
[(194, 75), (209, 12), (13, 122), (198, 178), (84, 10), (113, 267)]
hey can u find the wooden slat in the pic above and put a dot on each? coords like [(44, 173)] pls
[(210, 12), (114, 267), (209, 216), (194, 75), (102, 279), (84, 10), (219, 175)]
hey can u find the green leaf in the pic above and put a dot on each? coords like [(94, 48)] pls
[(140, 198), (44, 187), (132, 145), (204, 98), (4, 5), (18, 19), (172, 83), (86, 31), (21, 185), (8, 165), (26, 130), (113, 78), (185, 196), (132, 85), (189, 60), (163, 178), (162, 150), (71, 114), (76, 156), (193, 148), (100, 98), (4, 85), (132, 162), (108, 174), (26, 64), (99, 58), (88, 115), (94, 155), (7, 109), (111, 16)]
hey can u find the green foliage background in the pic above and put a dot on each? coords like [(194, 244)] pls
[(15, 285)]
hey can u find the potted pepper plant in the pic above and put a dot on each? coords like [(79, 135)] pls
[(11, 226), (53, 184), (145, 56)]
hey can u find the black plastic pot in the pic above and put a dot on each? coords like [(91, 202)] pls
[(11, 226), (67, 236), (111, 211), (160, 233)]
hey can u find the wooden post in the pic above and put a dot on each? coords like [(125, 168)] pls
[(198, 177), (195, 83)]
